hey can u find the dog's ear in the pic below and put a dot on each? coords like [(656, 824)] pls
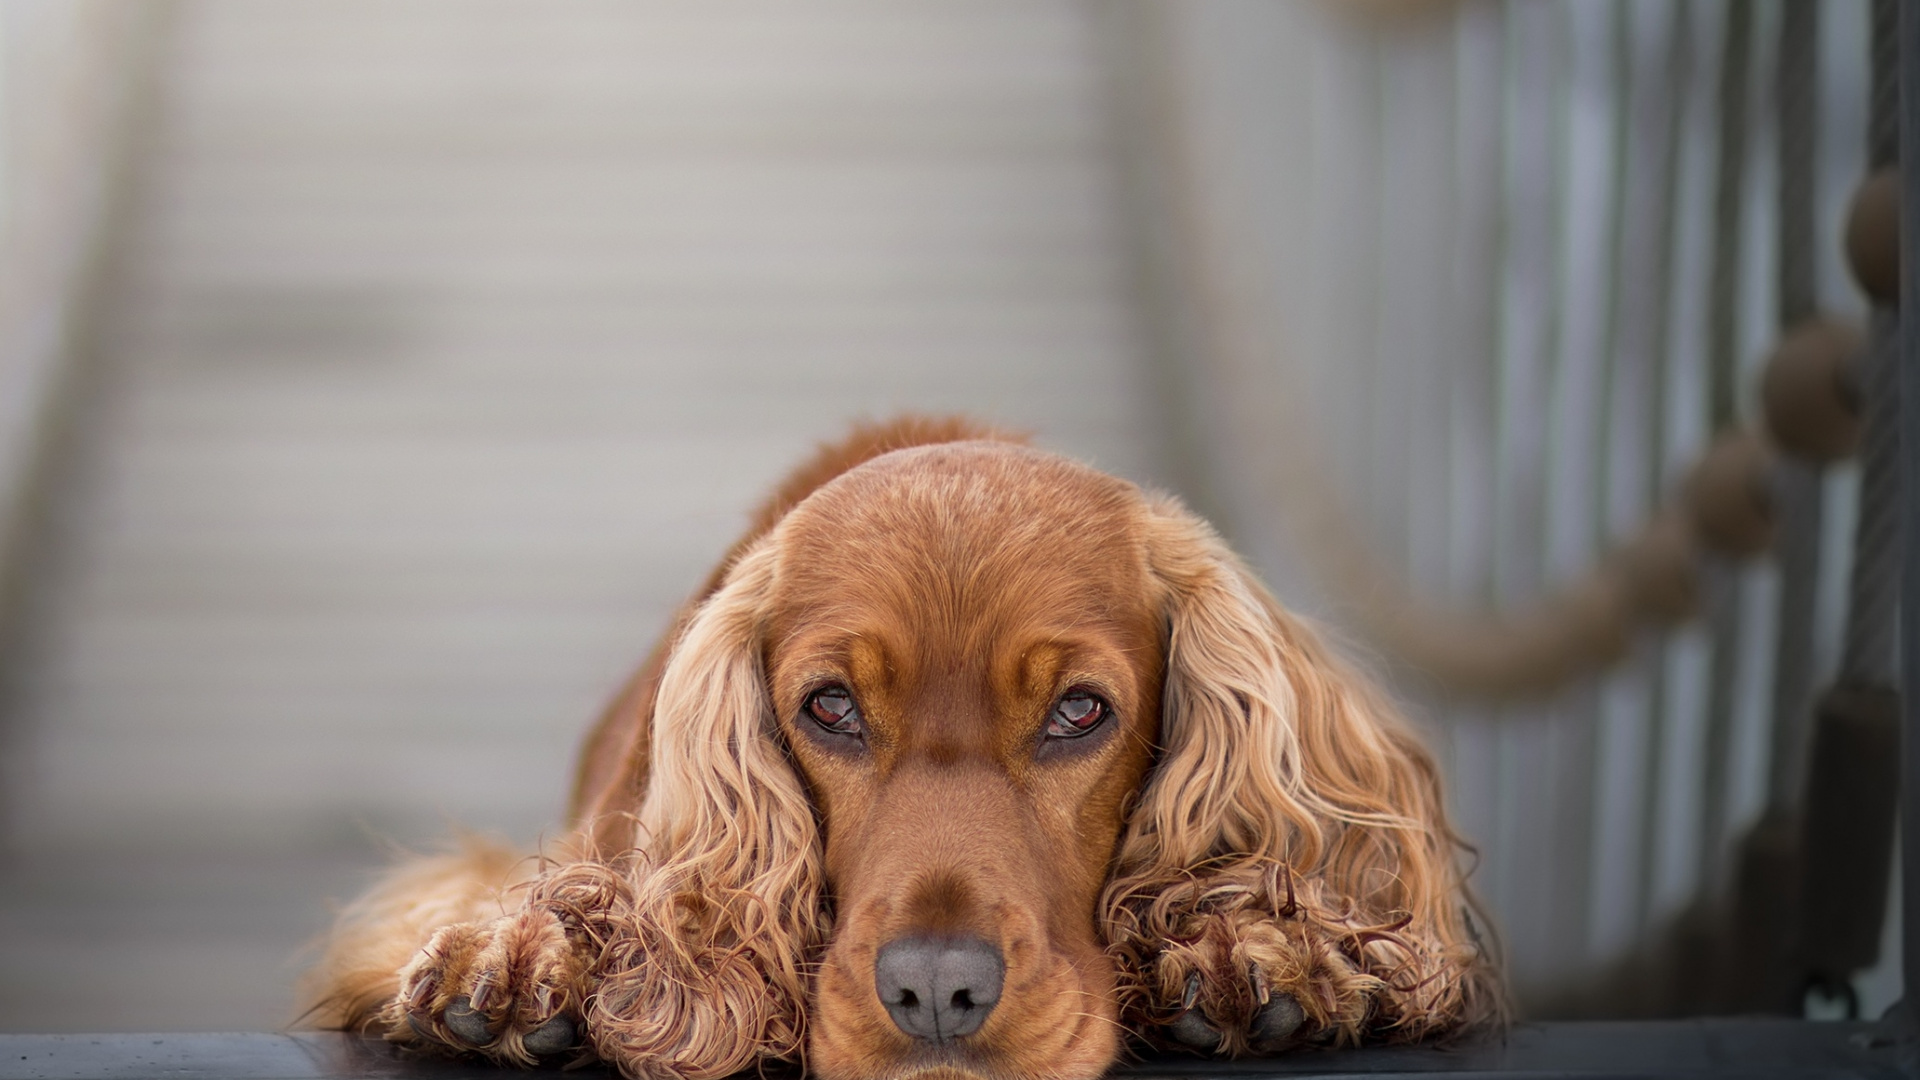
[(1285, 780), (727, 892)]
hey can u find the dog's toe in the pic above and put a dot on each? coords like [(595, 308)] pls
[(1191, 1029), (1275, 1023), (556, 1036), (421, 1027), (466, 1024)]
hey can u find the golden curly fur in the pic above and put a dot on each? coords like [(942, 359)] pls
[(1244, 851)]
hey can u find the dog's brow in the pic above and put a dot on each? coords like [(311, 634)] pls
[(847, 634)]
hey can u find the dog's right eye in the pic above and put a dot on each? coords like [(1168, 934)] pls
[(832, 708), (1075, 714)]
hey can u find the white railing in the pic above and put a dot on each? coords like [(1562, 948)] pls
[(1466, 292)]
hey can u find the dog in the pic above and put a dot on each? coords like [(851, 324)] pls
[(969, 760)]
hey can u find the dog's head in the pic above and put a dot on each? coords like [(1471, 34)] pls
[(953, 696)]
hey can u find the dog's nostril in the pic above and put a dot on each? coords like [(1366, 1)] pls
[(938, 988)]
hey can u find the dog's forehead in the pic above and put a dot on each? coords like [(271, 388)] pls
[(974, 498), (964, 526)]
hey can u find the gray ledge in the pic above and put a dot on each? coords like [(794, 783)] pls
[(1742, 1047)]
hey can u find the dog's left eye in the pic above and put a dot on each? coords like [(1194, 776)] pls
[(833, 708), (1076, 713)]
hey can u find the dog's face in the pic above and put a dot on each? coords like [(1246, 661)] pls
[(899, 795), (965, 654)]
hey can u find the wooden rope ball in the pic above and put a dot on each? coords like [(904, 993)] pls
[(1659, 570), (1729, 496), (1811, 390), (1873, 236)]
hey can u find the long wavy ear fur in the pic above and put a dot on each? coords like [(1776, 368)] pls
[(725, 912), (1286, 783)]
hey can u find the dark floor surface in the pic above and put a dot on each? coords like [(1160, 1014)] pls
[(1758, 1048)]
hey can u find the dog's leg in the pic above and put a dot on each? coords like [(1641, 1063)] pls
[(477, 952), (379, 933)]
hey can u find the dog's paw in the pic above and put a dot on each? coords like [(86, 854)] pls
[(1272, 1027), (1246, 985), (512, 989)]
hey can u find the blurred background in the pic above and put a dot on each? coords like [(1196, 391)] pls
[(377, 376)]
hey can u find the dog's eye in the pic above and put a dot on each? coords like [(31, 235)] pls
[(832, 708), (1076, 713)]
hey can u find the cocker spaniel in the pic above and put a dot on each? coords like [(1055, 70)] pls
[(967, 760)]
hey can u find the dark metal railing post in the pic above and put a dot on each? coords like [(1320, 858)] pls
[(1907, 356), (1854, 766)]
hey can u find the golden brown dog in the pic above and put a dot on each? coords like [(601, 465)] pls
[(970, 760)]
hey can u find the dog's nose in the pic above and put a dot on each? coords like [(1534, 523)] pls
[(939, 988)]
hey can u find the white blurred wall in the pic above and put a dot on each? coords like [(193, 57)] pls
[(449, 344), (69, 71)]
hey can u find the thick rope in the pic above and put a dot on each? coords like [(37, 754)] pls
[(1872, 608), (1883, 108), (1867, 655)]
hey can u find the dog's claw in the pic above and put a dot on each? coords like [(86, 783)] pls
[(482, 993), (465, 1023), (1262, 990), (553, 1037), (1276, 1022), (422, 990), (1191, 994)]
